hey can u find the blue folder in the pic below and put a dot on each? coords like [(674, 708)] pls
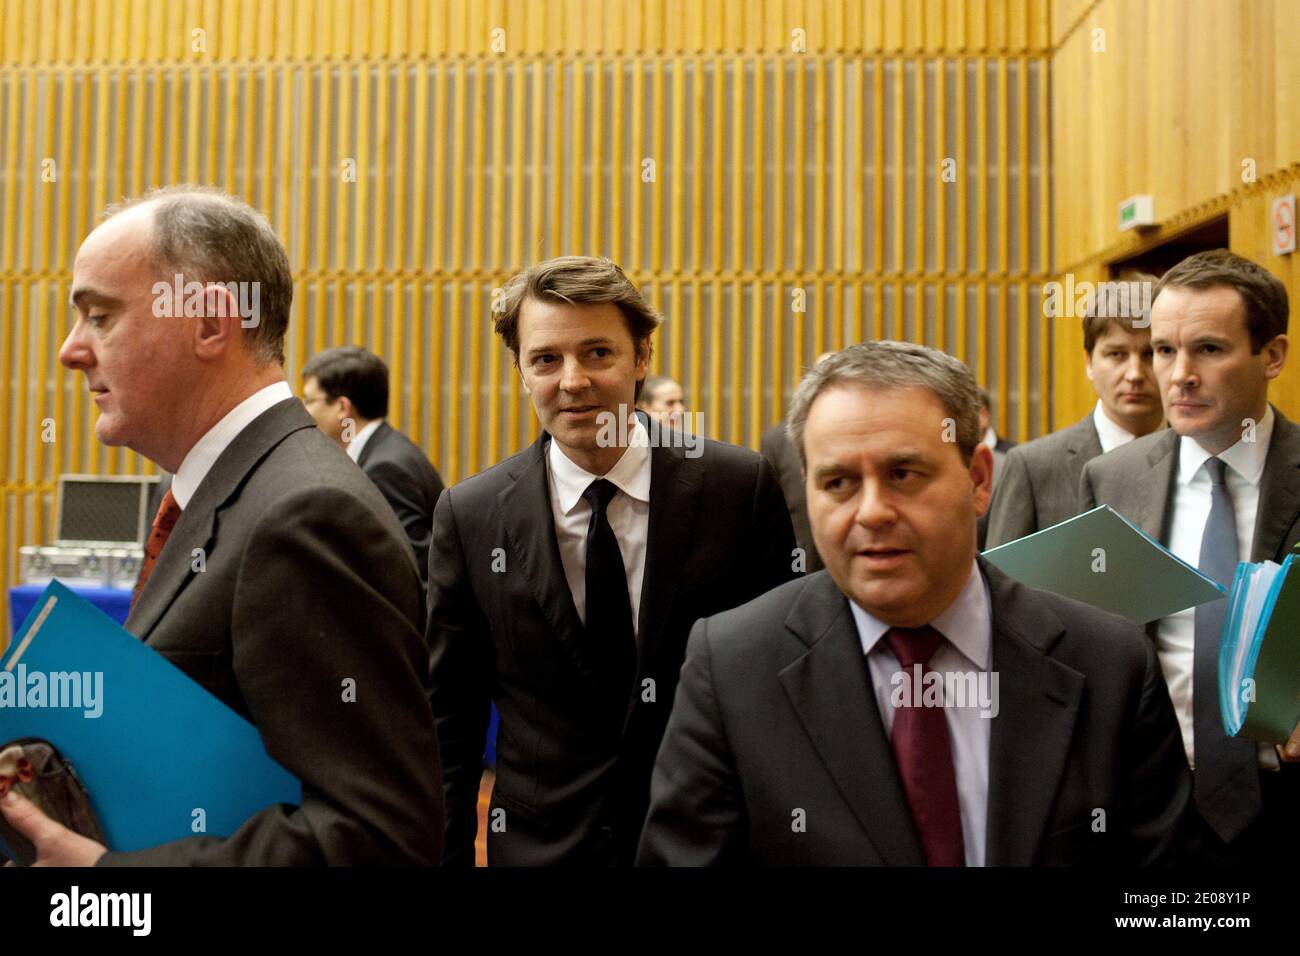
[(159, 755)]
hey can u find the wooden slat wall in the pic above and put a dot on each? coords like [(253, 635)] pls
[(798, 152), (1184, 93)]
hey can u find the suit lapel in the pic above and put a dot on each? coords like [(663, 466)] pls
[(1279, 491), (376, 439), (675, 483), (1038, 701), (830, 691), (1084, 445), (1156, 493), (530, 528), (197, 523)]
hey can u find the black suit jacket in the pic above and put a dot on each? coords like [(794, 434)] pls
[(785, 461), (409, 483), (775, 714), (502, 624), (280, 615)]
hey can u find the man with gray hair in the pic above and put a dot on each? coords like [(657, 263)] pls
[(910, 704), (563, 581), (276, 575)]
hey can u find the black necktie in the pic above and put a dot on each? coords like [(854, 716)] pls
[(1226, 779), (611, 641)]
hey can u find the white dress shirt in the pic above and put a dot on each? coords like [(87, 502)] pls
[(628, 513), (967, 626), (1176, 634), (208, 449), (359, 440), (1109, 434)]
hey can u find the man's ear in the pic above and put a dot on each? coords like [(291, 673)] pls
[(218, 328), (1087, 364), (981, 473), (1275, 356), (523, 379)]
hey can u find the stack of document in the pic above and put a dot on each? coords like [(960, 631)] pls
[(1259, 652), (161, 758), (1101, 559)]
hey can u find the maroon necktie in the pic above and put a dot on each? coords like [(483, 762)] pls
[(924, 755), (169, 513)]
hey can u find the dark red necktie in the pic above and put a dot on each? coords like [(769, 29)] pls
[(924, 755), (163, 522)]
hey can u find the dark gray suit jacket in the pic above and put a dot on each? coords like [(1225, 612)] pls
[(409, 483), (306, 582), (784, 458), (1139, 480), (1038, 484), (775, 713), (502, 624)]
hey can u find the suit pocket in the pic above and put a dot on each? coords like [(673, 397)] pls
[(517, 807), (1069, 846)]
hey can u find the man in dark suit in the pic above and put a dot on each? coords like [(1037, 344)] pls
[(564, 580), (346, 391), (784, 458), (910, 704), (1221, 485), (251, 584), (1038, 484)]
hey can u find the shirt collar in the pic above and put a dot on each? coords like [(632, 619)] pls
[(966, 623), (1109, 434), (355, 446), (1246, 458), (631, 475), (200, 459), (990, 437)]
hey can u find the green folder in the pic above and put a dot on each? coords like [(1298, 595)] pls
[(1101, 559), (1259, 652)]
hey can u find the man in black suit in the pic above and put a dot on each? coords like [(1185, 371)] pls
[(1220, 485), (346, 391), (910, 704), (563, 581), (276, 576), (784, 458)]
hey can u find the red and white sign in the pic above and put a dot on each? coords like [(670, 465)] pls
[(1282, 225)]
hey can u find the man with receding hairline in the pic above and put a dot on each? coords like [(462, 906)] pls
[(275, 620)]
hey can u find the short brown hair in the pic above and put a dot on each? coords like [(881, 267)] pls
[(208, 235), (889, 364), (576, 279), (1102, 315), (1262, 293)]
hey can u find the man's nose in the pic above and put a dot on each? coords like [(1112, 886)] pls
[(874, 506), (574, 377), (75, 352)]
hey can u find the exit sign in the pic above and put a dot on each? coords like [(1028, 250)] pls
[(1137, 211)]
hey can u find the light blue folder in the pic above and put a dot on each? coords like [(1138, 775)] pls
[(1259, 652), (1101, 559), (161, 748)]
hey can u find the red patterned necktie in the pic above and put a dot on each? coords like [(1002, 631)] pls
[(924, 755), (163, 522)]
